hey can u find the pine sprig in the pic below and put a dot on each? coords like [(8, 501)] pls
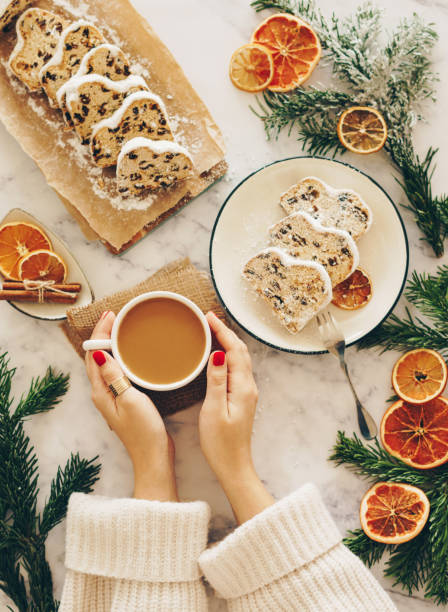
[(429, 294), (423, 561), (78, 475), (367, 550), (409, 563), (396, 79), (375, 463), (416, 183), (23, 530), (43, 395), (437, 581)]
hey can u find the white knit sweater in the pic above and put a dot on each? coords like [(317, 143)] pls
[(126, 555)]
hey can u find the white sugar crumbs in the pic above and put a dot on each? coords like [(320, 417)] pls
[(103, 184)]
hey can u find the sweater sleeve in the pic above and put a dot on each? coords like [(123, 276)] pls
[(291, 557), (131, 554)]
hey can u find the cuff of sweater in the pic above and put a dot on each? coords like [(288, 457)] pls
[(279, 540), (135, 539)]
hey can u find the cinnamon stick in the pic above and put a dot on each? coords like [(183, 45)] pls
[(71, 287), (49, 297)]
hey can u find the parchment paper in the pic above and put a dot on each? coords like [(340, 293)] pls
[(87, 191)]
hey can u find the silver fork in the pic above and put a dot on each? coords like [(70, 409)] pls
[(334, 342)]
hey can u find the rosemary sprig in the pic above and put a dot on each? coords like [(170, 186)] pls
[(23, 530), (396, 79), (423, 561), (429, 294)]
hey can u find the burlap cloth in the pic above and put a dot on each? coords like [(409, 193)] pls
[(179, 276)]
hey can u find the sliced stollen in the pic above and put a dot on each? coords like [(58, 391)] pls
[(148, 165), (38, 33), (142, 114), (106, 60), (91, 98), (302, 236), (9, 9), (296, 290), (340, 208), (75, 41)]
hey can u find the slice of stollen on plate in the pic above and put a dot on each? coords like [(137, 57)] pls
[(9, 9), (302, 236), (106, 60), (295, 290), (75, 41), (149, 165), (92, 97), (38, 33), (143, 113), (340, 208)]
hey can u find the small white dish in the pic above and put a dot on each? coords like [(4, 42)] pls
[(111, 344), (241, 230), (52, 312)]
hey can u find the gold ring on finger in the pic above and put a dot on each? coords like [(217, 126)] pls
[(119, 385)]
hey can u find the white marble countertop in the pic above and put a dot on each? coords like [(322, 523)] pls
[(299, 409)]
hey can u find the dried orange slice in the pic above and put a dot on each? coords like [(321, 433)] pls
[(362, 129), (417, 433), (419, 376), (393, 512), (354, 292), (294, 46), (16, 241), (43, 265), (251, 68)]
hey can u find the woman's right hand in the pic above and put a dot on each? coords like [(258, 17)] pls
[(226, 420)]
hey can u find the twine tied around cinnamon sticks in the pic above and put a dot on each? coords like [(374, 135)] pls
[(40, 291), (45, 285)]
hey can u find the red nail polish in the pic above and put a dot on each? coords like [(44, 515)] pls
[(105, 313), (218, 358), (99, 357)]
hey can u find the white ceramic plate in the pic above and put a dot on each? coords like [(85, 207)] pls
[(240, 231), (52, 312)]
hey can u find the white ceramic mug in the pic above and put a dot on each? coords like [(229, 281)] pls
[(111, 344)]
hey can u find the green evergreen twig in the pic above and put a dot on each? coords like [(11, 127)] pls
[(429, 294), (23, 530), (423, 561), (396, 79)]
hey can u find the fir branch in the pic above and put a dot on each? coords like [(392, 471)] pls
[(12, 582), (375, 463), (405, 334), (437, 581), (408, 563), (367, 550), (318, 136), (44, 394), (429, 293), (423, 561), (6, 376), (396, 79), (22, 543), (302, 8), (416, 183), (279, 110), (78, 475), (442, 204), (18, 474)]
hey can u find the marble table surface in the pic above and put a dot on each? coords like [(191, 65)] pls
[(300, 410)]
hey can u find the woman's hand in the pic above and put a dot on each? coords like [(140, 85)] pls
[(135, 420), (226, 420)]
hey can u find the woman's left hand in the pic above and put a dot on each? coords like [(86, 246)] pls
[(135, 420)]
